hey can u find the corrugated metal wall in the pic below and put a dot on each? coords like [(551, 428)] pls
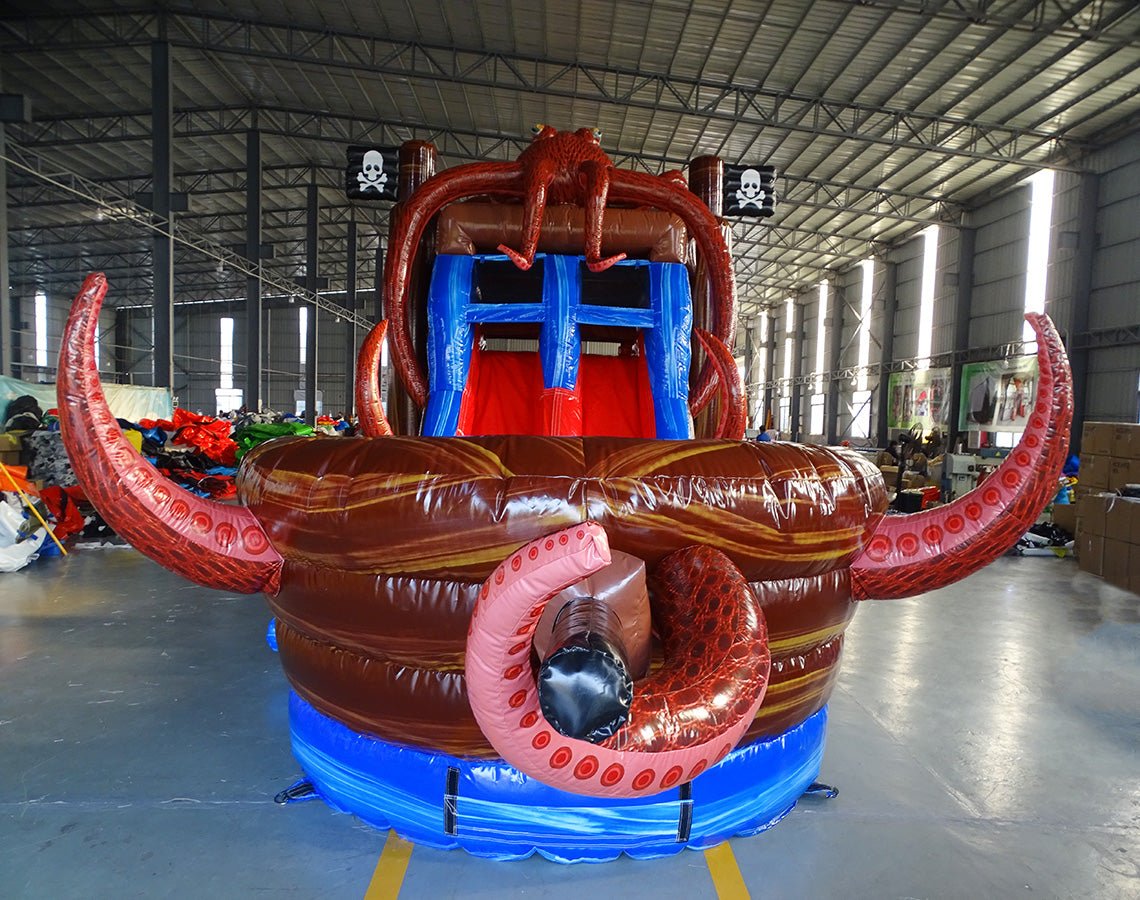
[(1001, 252), (1113, 392), (908, 290)]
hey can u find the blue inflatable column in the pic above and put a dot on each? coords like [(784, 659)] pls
[(450, 341), (560, 347), (667, 348)]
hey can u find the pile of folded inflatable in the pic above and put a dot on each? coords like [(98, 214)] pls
[(196, 451)]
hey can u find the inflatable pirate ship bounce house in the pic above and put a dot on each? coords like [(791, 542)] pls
[(565, 607)]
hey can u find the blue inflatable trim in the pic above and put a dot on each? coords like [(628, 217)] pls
[(491, 810)]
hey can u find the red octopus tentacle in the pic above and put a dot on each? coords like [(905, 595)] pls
[(369, 404), (927, 550), (596, 186), (716, 641), (664, 193), (733, 412), (537, 179), (213, 544), (408, 226)]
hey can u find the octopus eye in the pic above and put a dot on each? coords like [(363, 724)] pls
[(537, 127), (597, 133)]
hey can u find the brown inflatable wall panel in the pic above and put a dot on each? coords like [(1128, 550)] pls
[(387, 541)]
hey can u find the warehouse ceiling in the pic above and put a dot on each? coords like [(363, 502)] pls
[(880, 115)]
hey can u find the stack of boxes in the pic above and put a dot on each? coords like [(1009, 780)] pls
[(1108, 525), (9, 449)]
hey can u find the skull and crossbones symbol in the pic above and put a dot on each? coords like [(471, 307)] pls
[(372, 176), (751, 190)]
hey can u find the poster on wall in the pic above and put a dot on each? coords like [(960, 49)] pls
[(919, 398), (998, 395)]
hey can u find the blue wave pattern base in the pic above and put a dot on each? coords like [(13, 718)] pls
[(492, 810)]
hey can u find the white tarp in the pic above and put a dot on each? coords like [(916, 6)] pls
[(127, 401)]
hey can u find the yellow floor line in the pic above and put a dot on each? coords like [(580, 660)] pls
[(727, 880), (389, 874)]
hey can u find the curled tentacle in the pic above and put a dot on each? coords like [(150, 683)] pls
[(684, 718), (369, 404), (733, 412), (213, 544), (408, 226), (930, 549), (638, 187)]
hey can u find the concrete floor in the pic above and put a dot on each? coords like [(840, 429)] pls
[(985, 738)]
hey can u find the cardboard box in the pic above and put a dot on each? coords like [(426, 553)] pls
[(1125, 441), (1092, 509), (1117, 517), (1065, 516), (1116, 562), (1090, 553), (9, 458), (1122, 472), (10, 441), (1094, 472), (1096, 438)]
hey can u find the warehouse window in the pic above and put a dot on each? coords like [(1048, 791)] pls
[(786, 387), (926, 297), (1040, 219), (789, 317), (861, 414), (817, 400), (226, 355), (821, 338), (303, 333), (225, 396), (868, 266), (41, 329), (816, 414), (765, 324)]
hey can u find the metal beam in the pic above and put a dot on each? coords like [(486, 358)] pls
[(5, 298), (126, 209), (833, 350), (891, 304), (312, 235), (253, 337), (705, 99), (1080, 297), (963, 306), (162, 256), (1046, 17), (797, 370), (460, 145), (349, 327)]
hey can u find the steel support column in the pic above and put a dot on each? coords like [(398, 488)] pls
[(253, 336), (162, 258), (350, 325), (963, 304), (312, 284), (767, 375), (1080, 295), (834, 349), (890, 309), (122, 346), (5, 299), (797, 370)]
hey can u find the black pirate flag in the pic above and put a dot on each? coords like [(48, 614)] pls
[(371, 173), (749, 191)]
